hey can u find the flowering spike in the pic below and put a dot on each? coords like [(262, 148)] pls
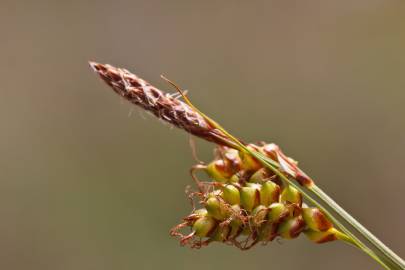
[(162, 105), (249, 207)]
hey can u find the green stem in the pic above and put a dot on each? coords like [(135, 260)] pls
[(394, 258), (390, 260), (350, 238), (366, 250), (269, 163)]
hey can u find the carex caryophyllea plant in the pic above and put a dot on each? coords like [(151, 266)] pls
[(255, 193)]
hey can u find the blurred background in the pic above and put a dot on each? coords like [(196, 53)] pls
[(87, 181)]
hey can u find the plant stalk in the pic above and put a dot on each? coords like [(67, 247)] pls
[(351, 238), (390, 260), (387, 252)]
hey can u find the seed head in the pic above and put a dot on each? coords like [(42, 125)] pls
[(244, 205)]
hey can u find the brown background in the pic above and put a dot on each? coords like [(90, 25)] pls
[(88, 183)]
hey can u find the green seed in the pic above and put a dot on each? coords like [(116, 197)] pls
[(269, 193), (217, 171), (276, 212), (249, 197), (322, 237), (259, 215), (231, 194), (216, 208), (221, 170), (201, 212), (260, 176), (291, 228), (291, 195), (204, 226), (315, 219), (234, 178)]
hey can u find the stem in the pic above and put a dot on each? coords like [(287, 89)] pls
[(366, 250), (390, 260), (394, 258), (349, 237)]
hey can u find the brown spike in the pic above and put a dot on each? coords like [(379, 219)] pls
[(163, 105)]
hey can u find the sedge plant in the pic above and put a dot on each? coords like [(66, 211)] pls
[(255, 193)]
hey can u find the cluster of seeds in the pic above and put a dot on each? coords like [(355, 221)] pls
[(245, 204)]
